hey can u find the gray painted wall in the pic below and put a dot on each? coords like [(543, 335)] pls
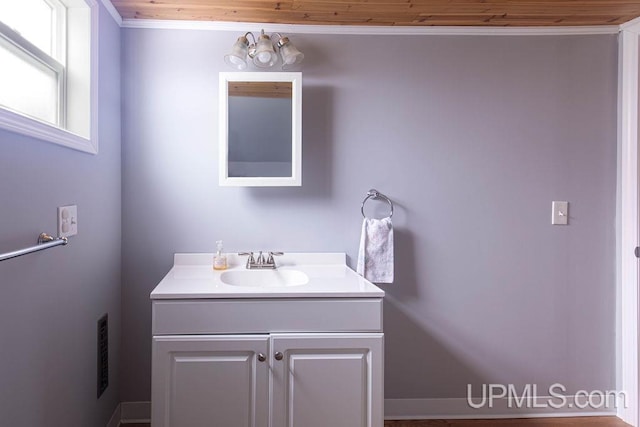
[(51, 300), (472, 137)]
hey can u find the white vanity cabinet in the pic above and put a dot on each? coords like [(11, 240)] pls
[(229, 357), (263, 375), (209, 380), (327, 380)]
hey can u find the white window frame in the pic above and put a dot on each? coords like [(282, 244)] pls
[(627, 224), (58, 133)]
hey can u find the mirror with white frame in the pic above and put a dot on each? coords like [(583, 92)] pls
[(260, 129)]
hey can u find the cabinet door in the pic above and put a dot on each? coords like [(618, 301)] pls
[(327, 380), (209, 380)]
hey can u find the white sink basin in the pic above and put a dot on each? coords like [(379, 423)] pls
[(264, 278)]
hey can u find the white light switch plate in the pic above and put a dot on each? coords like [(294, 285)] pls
[(560, 213), (67, 221)]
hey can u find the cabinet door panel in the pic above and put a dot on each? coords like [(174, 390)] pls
[(209, 381), (327, 380)]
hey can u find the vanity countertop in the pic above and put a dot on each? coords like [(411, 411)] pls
[(193, 277)]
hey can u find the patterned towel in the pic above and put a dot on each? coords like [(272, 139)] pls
[(375, 258)]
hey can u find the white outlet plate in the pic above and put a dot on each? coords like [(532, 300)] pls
[(560, 213), (67, 221)]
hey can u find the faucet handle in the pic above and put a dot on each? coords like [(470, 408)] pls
[(270, 260), (251, 260)]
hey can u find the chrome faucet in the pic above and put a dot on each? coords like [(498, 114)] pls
[(261, 262)]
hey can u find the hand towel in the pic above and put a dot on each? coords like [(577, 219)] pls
[(375, 257)]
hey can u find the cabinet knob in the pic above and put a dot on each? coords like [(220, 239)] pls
[(278, 355), (261, 357)]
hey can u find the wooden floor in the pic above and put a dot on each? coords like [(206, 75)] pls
[(530, 422)]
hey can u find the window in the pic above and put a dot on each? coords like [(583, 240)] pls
[(48, 87), (30, 51)]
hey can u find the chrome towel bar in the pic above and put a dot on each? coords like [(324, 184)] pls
[(44, 242), (375, 194)]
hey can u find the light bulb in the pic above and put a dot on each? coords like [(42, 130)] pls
[(264, 57)]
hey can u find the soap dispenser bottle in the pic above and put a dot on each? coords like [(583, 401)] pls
[(219, 259)]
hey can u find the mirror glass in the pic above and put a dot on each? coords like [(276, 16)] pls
[(267, 107), (260, 129)]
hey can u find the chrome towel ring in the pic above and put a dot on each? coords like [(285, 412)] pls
[(375, 194)]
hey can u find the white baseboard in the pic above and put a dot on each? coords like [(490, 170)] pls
[(424, 409), (130, 413), (135, 412), (115, 418), (419, 409)]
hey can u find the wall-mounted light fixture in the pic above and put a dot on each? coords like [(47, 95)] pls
[(263, 52)]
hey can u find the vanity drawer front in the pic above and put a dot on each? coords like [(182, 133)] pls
[(173, 317)]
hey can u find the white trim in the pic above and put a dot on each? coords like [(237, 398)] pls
[(115, 417), (95, 77), (60, 25), (423, 409), (417, 409), (135, 412), (365, 30), (627, 263), (429, 409), (91, 135), (130, 413), (295, 180), (631, 25), (112, 11), (24, 125)]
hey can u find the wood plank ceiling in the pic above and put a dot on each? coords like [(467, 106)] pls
[(389, 12)]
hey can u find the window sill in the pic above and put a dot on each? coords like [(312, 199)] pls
[(24, 125)]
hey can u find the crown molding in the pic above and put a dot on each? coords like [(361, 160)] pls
[(365, 30), (633, 26)]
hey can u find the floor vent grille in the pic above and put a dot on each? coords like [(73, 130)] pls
[(103, 354)]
